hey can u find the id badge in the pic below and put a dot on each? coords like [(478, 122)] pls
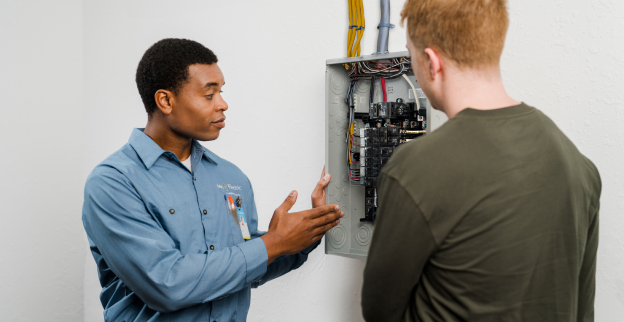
[(235, 205)]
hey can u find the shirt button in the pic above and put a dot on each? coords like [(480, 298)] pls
[(172, 211), (194, 178), (211, 247), (205, 212)]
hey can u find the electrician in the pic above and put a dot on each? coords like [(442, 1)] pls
[(172, 226), (503, 223)]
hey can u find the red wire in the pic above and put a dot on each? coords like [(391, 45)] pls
[(383, 88), (351, 177)]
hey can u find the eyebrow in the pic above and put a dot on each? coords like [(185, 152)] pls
[(212, 84)]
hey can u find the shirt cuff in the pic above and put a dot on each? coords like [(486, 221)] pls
[(311, 248), (256, 258)]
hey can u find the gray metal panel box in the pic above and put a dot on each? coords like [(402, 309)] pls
[(352, 238)]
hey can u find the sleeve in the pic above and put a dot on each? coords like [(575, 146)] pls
[(145, 258), (285, 264), (281, 265), (401, 246), (587, 275)]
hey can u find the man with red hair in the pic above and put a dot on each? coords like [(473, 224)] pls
[(503, 224)]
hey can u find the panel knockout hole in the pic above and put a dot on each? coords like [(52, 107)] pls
[(337, 236), (363, 235), (338, 85), (363, 86)]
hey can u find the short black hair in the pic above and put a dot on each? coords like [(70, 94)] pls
[(165, 66)]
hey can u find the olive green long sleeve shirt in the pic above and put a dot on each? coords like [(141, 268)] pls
[(492, 217)]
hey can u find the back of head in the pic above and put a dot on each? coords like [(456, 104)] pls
[(165, 66), (471, 33)]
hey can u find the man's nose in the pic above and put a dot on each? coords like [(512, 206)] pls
[(222, 104)]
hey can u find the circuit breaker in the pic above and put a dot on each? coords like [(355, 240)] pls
[(373, 104)]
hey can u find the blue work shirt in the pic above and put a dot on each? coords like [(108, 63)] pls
[(166, 246)]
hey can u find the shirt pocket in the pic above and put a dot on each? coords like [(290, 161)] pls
[(232, 223), (182, 221)]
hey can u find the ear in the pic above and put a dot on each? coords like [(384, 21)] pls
[(434, 61), (164, 101)]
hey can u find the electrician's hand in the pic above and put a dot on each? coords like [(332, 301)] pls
[(318, 195), (290, 233)]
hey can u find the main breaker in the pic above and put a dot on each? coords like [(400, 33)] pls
[(373, 104)]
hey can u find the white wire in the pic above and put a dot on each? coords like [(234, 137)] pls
[(414, 89)]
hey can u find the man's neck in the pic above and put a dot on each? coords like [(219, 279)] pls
[(481, 90), (167, 139)]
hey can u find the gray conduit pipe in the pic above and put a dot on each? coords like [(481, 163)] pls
[(384, 27)]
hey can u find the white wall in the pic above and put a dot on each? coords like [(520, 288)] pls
[(565, 57), (41, 235)]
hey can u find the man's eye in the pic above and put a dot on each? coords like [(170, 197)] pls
[(209, 96)]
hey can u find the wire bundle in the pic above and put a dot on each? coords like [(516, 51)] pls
[(383, 69), (351, 128), (356, 27)]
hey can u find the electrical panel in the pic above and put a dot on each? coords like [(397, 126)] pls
[(373, 104)]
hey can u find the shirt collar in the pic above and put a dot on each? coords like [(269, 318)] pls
[(205, 152), (148, 151)]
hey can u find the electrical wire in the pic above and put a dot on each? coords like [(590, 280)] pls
[(350, 129), (387, 68), (383, 89), (356, 28), (351, 176), (361, 25), (413, 89), (351, 30)]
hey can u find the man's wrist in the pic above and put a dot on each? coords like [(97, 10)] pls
[(272, 245)]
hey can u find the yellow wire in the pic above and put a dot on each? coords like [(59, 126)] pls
[(350, 133), (349, 140), (356, 18), (358, 12), (362, 24), (351, 30)]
